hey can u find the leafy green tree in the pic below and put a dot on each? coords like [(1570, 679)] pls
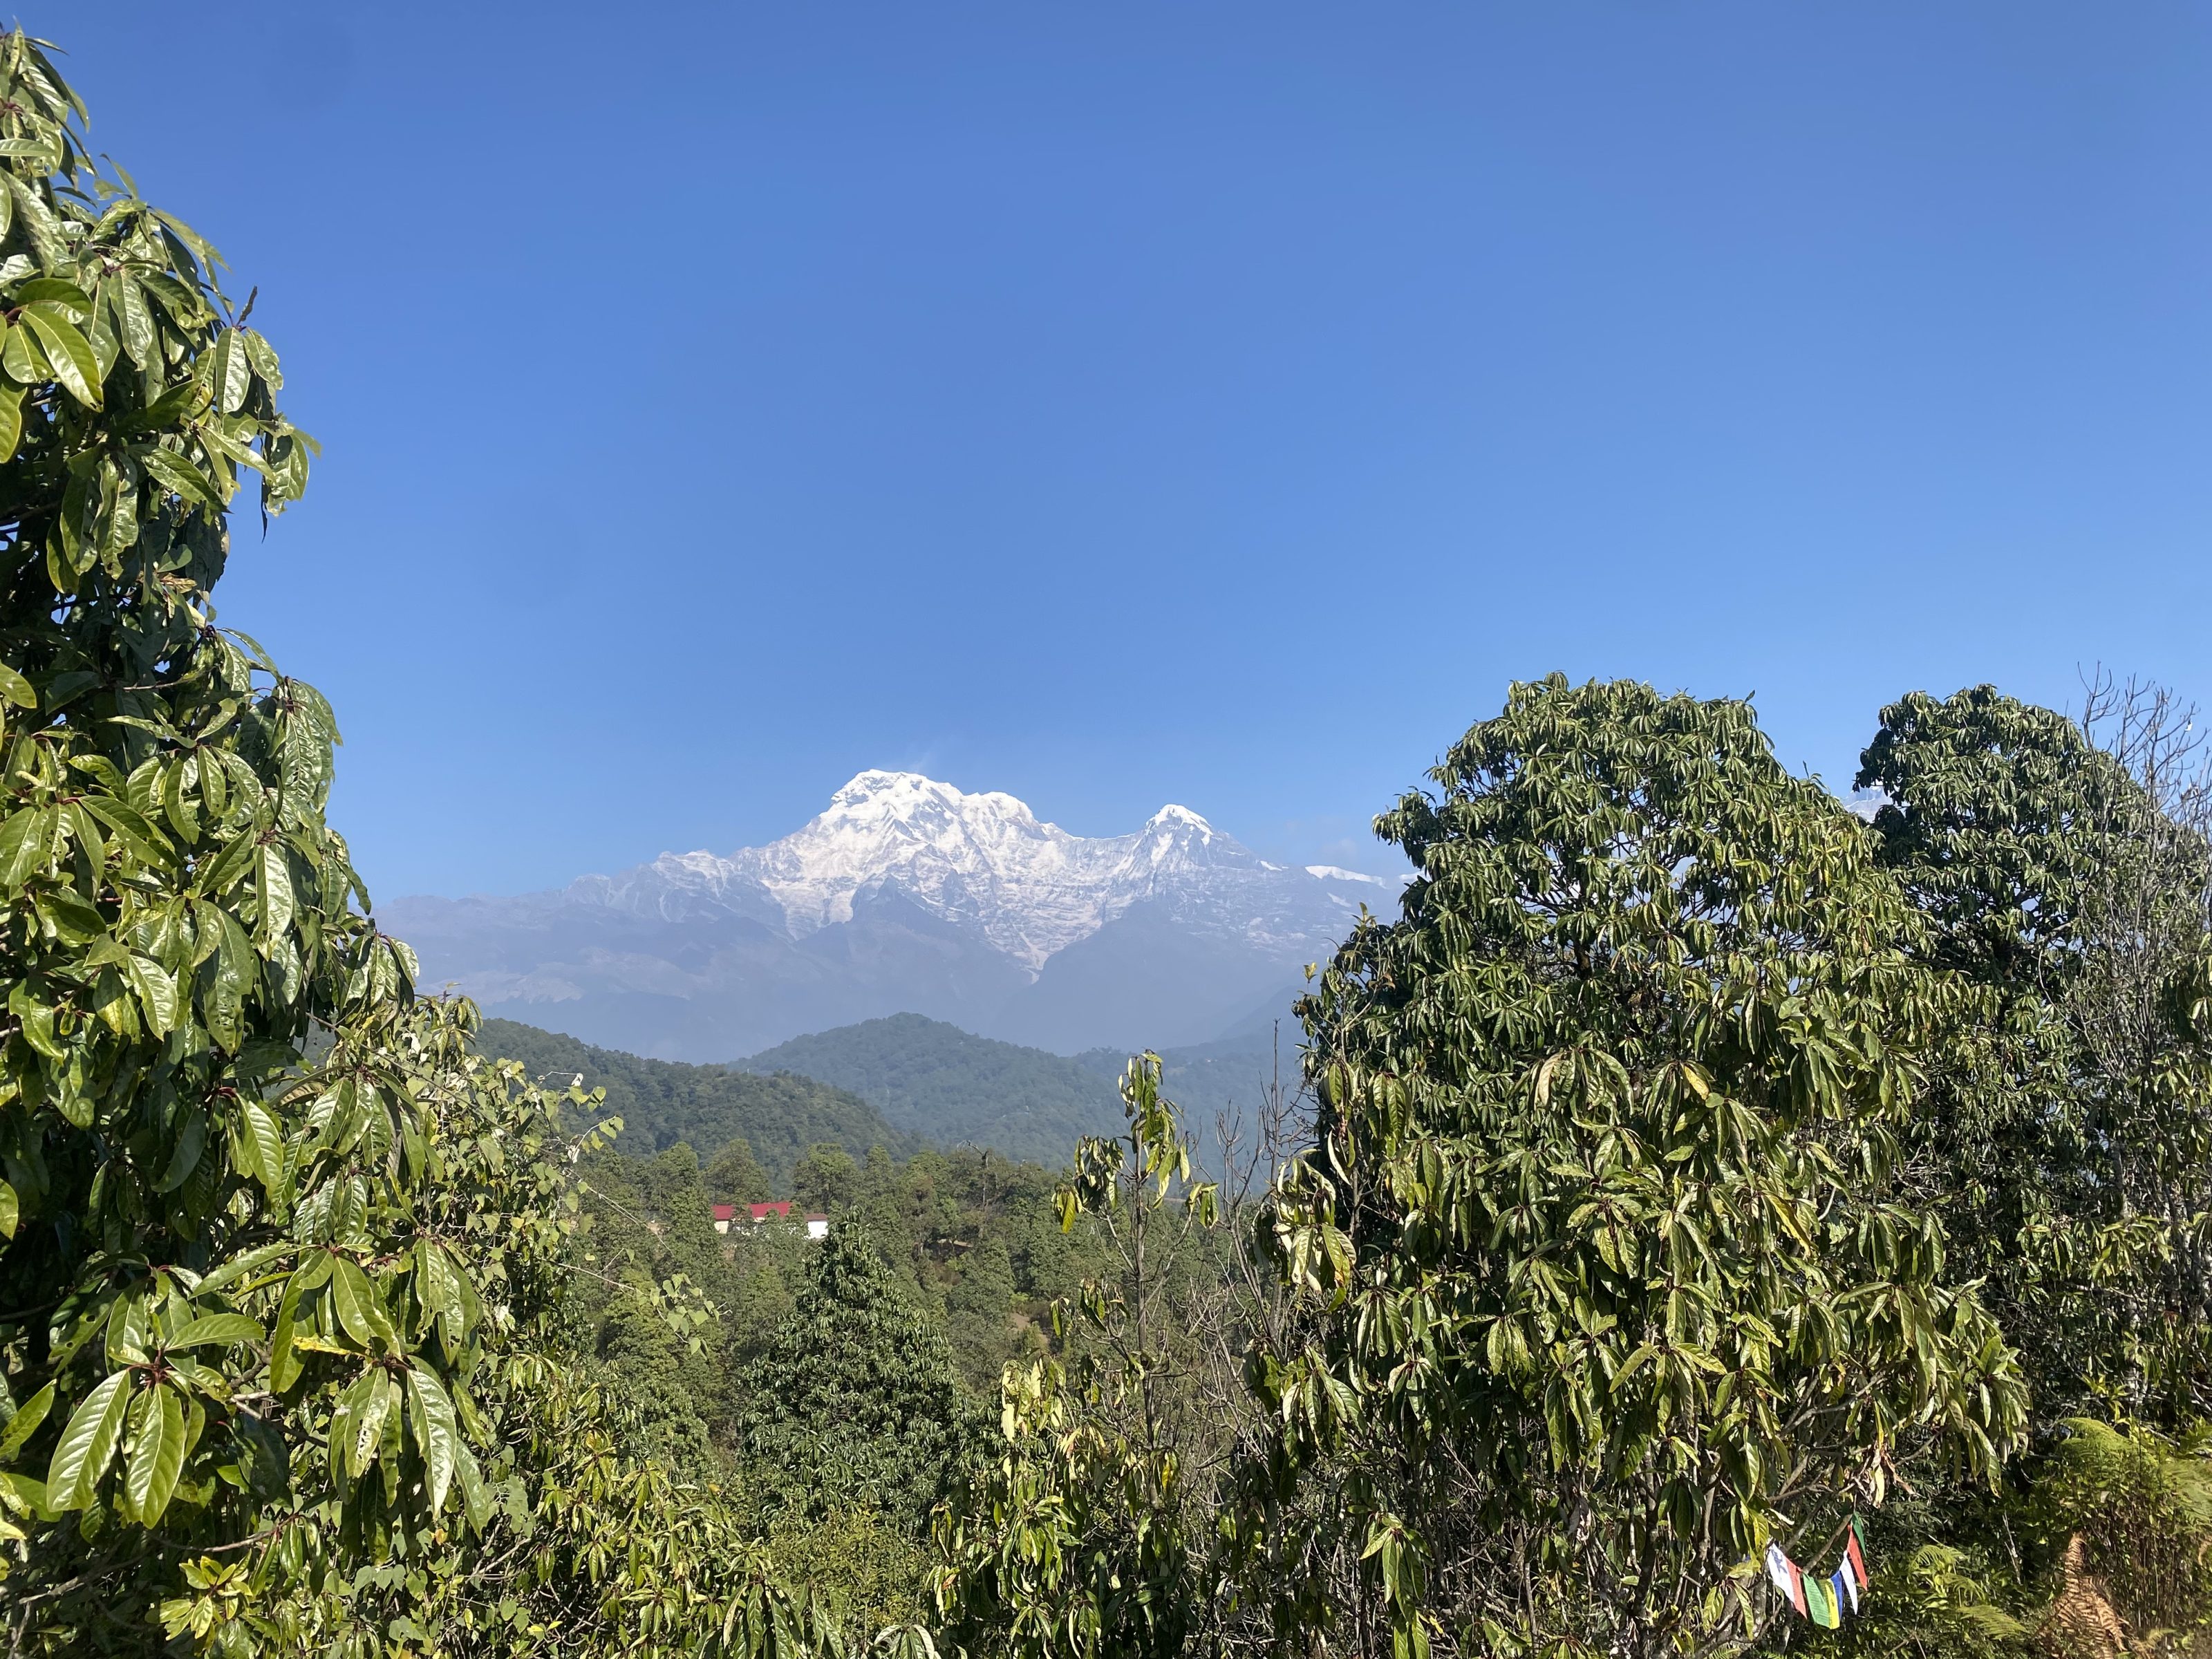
[(1999, 820), (2071, 1152), (661, 1381), (220, 1255), (1611, 1278), (735, 1176), (826, 1180), (1089, 1533), (285, 1347), (857, 1400), (976, 1310)]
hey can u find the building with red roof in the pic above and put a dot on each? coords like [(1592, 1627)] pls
[(818, 1225)]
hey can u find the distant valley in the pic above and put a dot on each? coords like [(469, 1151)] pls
[(901, 1083), (952, 1088)]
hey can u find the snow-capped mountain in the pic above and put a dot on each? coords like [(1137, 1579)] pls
[(905, 895)]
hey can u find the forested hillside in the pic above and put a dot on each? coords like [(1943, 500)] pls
[(662, 1102), (952, 1088)]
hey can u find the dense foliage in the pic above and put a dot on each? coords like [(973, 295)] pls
[(1621, 1282), (2072, 1152), (284, 1343)]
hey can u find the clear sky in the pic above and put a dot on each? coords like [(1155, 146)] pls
[(1212, 403)]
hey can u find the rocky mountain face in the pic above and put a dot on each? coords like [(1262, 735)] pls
[(904, 895)]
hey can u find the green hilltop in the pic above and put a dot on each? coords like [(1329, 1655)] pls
[(940, 1082), (662, 1102)]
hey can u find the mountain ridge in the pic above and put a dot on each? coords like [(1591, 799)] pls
[(662, 1102), (931, 1079), (904, 894)]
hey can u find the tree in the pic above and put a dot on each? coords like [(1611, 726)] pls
[(857, 1400), (736, 1177), (187, 1199), (1090, 1532), (282, 1263), (2064, 870), (827, 1179), (975, 1310), (1610, 1276)]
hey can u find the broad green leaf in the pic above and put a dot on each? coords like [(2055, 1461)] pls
[(275, 892), (285, 1365), (437, 1434), (263, 356), (134, 321), (13, 686), (23, 1494), (244, 1267), (361, 1310), (150, 1476), (441, 1290), (68, 352), (177, 803), (233, 372), (78, 922), (21, 357), (222, 1329), (146, 843), (74, 303), (268, 1143), (131, 1326), (370, 1402), (11, 421), (185, 1155), (218, 875), (10, 1211), (24, 1423), (157, 995), (25, 844), (179, 475), (87, 1445), (476, 1497)]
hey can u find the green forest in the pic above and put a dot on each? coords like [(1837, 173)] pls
[(779, 1118), (1699, 1221)]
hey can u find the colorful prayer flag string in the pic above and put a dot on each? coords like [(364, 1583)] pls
[(1823, 1600)]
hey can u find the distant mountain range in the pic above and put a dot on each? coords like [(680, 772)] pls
[(905, 895)]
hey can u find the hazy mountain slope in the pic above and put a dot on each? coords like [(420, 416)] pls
[(661, 1103), (954, 1088), (904, 895), (1219, 1085)]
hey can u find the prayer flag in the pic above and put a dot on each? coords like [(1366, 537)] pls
[(1821, 1603)]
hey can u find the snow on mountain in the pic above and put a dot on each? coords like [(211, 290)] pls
[(986, 864), (905, 895)]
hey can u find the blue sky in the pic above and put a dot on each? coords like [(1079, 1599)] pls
[(1215, 402)]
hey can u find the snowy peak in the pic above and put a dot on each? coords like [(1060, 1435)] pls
[(987, 866), (1181, 820), (889, 798)]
